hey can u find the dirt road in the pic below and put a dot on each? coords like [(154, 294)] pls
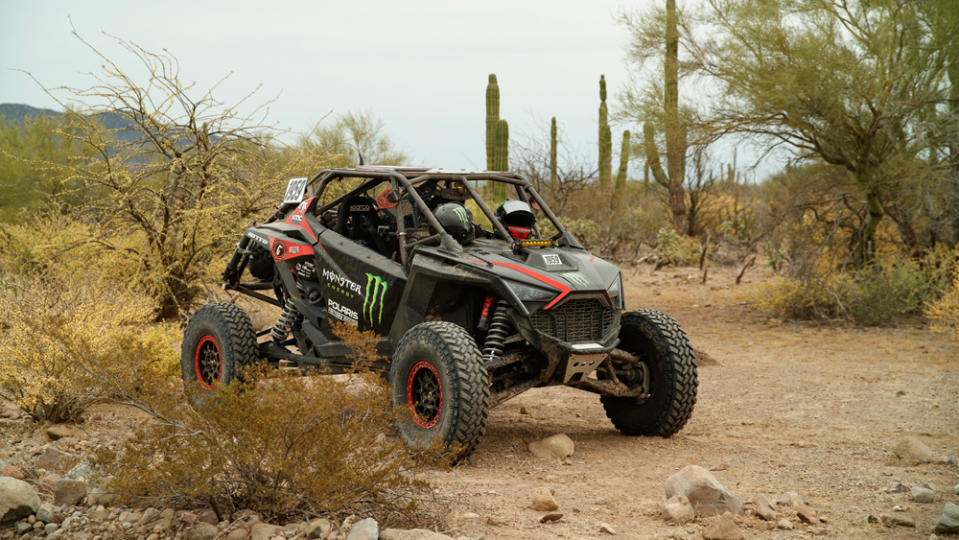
[(790, 407)]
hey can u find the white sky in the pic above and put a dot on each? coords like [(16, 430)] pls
[(421, 66)]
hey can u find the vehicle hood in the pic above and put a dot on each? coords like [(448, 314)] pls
[(550, 274)]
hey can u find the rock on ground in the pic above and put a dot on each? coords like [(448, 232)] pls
[(807, 514), (69, 492), (948, 521), (707, 496), (412, 534), (785, 524), (764, 509), (47, 513), (59, 431), (17, 499), (912, 451), (54, 459), (201, 531), (364, 529), (723, 528), (541, 499), (264, 531), (678, 509), (318, 528), (890, 520), (558, 446), (922, 494)]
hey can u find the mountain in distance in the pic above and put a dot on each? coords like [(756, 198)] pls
[(122, 127)]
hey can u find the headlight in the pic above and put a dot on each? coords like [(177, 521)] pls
[(615, 291), (528, 293)]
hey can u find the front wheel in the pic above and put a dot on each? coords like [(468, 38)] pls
[(217, 341), (659, 342), (437, 375)]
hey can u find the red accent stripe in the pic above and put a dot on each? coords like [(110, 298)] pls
[(563, 289)]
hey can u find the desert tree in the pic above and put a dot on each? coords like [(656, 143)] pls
[(167, 173), (348, 137), (843, 81)]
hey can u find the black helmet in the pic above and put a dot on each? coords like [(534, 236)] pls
[(517, 217), (457, 220)]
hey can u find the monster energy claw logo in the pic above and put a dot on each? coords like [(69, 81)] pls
[(461, 214), (375, 293)]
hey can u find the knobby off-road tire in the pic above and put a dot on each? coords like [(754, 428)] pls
[(218, 340), (659, 342), (441, 388)]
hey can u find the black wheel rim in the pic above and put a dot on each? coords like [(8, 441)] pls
[(208, 362), (424, 394)]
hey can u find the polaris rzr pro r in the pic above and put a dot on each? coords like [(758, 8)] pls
[(469, 311)]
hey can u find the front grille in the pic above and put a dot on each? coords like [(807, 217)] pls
[(575, 320)]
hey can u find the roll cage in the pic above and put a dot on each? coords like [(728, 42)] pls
[(406, 184)]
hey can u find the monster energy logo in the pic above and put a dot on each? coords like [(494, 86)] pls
[(461, 214), (576, 278), (375, 293)]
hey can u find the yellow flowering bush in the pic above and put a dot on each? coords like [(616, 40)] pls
[(69, 339)]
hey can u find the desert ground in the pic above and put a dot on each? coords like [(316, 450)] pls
[(811, 408), (814, 409)]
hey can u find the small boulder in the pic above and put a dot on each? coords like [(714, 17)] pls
[(897, 520), (558, 446), (318, 528), (208, 516), (69, 492), (948, 521), (541, 500), (264, 531), (606, 528), (47, 513), (723, 528), (552, 516), (238, 534), (912, 451), (17, 499), (201, 531), (785, 524), (678, 509), (707, 496), (364, 529), (52, 458), (59, 431), (764, 509), (807, 514), (922, 494)]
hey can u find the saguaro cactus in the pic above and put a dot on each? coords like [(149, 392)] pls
[(492, 117), (502, 158), (623, 164), (553, 175), (605, 137)]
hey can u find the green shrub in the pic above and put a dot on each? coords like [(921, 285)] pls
[(285, 447), (677, 250), (879, 294)]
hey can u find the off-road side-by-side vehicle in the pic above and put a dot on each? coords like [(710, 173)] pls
[(468, 312)]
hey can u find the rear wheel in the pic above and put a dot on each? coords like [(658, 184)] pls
[(217, 341), (659, 342), (437, 375)]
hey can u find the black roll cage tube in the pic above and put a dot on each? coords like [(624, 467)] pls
[(523, 187)]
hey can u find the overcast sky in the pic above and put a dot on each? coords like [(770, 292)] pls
[(421, 66)]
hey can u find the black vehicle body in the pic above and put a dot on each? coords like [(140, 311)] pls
[(540, 308)]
